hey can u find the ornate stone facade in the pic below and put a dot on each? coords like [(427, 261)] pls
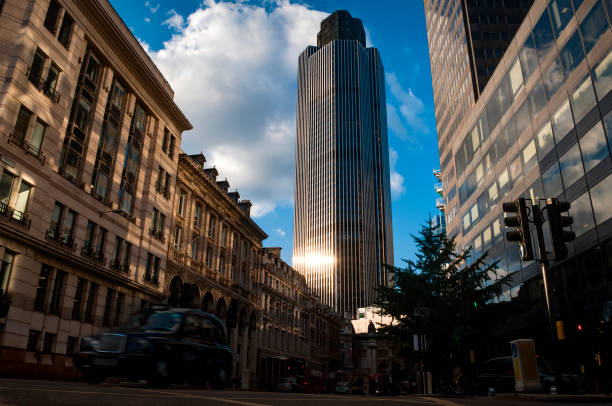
[(86, 121)]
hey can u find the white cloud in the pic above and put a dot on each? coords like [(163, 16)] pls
[(410, 106), (147, 20), (395, 122), (397, 180), (175, 21), (152, 9), (233, 69), (280, 232)]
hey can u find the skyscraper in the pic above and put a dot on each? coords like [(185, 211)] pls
[(540, 128), (342, 227)]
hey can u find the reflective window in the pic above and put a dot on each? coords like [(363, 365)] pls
[(594, 26), (529, 60), (522, 119), (577, 4), (551, 180), (529, 157), (571, 166), (545, 140), (543, 34), (572, 54), (582, 214), (515, 78), (493, 193), (516, 170), (504, 183), (562, 121), (594, 147), (602, 74), (536, 98), (560, 12), (553, 78), (583, 98), (608, 125), (602, 196)]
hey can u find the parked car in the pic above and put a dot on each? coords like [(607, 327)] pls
[(161, 345), (287, 385), (343, 387), (498, 373)]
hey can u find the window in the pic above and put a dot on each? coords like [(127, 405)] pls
[(21, 126), (572, 54), (155, 276), (545, 141), (6, 187), (197, 217), (194, 247), (56, 218), (71, 346), (5, 271), (562, 121), (68, 228), (108, 306), (88, 241), (36, 68), (582, 214), (543, 35), (553, 78), (522, 119), (551, 180), (594, 147), (594, 26), (602, 75), (221, 264), (65, 30), (211, 226), (209, 258), (51, 81), (91, 301), (149, 268), (78, 299), (516, 170), (52, 16), (181, 202), (41, 289), (515, 77), (571, 166), (165, 140), (561, 13), (21, 204), (56, 293), (537, 99), (583, 98), (118, 308), (32, 344), (602, 196), (101, 241), (529, 59), (223, 236), (529, 156), (35, 145), (171, 147), (178, 237)]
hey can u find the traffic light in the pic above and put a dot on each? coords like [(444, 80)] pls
[(520, 221), (556, 223)]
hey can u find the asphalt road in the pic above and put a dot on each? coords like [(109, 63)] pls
[(49, 393)]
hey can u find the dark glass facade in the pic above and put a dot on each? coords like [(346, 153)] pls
[(342, 228)]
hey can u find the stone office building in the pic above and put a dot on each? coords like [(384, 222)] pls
[(86, 122)]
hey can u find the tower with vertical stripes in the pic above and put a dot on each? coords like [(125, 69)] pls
[(342, 224)]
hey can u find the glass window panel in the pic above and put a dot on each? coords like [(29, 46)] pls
[(602, 196), (496, 226), (571, 166), (522, 119), (486, 237), (38, 135), (504, 183), (503, 96), (594, 147), (577, 4), (493, 194), (583, 98), (562, 121), (515, 77), (21, 125), (582, 214), (545, 140), (553, 78), (22, 200), (536, 98), (551, 180), (6, 185), (593, 26), (602, 74), (529, 156), (474, 213), (572, 54), (529, 59), (561, 13), (516, 169), (608, 125), (543, 34)]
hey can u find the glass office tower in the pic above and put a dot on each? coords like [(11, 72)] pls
[(542, 128), (342, 226)]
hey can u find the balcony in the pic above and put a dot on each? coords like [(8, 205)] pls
[(196, 266), (66, 242), (440, 203), (158, 234), (14, 215), (27, 147), (439, 188), (437, 173), (116, 265)]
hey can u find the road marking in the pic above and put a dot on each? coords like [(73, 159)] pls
[(186, 395), (445, 402)]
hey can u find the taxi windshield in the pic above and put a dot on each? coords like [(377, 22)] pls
[(154, 320)]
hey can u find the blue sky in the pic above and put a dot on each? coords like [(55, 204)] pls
[(233, 65)]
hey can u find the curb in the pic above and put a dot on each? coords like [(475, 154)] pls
[(557, 398)]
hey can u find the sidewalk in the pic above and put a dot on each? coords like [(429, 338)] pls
[(562, 398)]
